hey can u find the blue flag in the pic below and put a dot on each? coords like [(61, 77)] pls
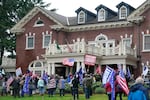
[(45, 77), (128, 73), (80, 74), (112, 82), (26, 84)]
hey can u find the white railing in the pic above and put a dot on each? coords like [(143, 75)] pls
[(82, 47), (8, 62)]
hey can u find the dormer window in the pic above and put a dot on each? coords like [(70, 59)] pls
[(39, 23), (81, 17), (101, 15), (123, 12)]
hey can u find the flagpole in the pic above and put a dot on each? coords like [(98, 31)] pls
[(88, 68)]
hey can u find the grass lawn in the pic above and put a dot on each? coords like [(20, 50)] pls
[(57, 97)]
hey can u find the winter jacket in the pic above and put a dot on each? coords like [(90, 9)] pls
[(138, 92)]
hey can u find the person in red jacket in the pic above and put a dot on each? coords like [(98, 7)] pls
[(108, 90)]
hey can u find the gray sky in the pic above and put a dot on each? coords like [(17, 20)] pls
[(68, 7)]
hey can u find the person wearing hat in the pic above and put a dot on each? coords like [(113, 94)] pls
[(138, 91)]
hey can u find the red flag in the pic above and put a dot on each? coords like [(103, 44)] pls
[(98, 70), (69, 62)]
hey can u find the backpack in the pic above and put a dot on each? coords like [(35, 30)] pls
[(88, 83), (137, 95)]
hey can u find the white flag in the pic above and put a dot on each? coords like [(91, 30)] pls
[(107, 74), (145, 70)]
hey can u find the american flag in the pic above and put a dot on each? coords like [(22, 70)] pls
[(122, 81), (68, 61), (98, 70)]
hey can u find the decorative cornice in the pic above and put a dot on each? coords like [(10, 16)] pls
[(145, 6), (97, 26), (28, 17)]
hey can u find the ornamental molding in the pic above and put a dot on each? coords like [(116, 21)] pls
[(97, 26)]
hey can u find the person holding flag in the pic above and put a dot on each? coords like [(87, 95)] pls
[(108, 76), (122, 80)]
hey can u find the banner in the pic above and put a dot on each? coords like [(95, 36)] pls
[(18, 71), (90, 60), (107, 74)]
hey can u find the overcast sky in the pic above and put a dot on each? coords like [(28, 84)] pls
[(68, 7)]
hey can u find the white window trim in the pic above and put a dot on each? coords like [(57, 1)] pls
[(79, 22), (38, 25), (99, 15), (42, 68), (124, 39), (120, 17), (144, 35), (101, 35), (44, 35), (27, 48)]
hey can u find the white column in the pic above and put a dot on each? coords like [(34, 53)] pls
[(78, 66), (83, 65), (48, 69), (53, 68), (124, 68)]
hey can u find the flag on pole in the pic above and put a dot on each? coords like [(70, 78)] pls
[(45, 77), (122, 81), (69, 48), (58, 47), (26, 84), (98, 70), (80, 74), (108, 76), (145, 70), (128, 73), (68, 61)]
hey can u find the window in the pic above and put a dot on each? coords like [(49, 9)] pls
[(146, 42), (101, 15), (38, 64), (123, 12), (101, 37), (38, 23), (29, 42), (81, 17), (46, 40), (127, 42)]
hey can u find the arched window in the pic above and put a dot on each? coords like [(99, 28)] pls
[(123, 12), (38, 23), (81, 17), (101, 37), (101, 15)]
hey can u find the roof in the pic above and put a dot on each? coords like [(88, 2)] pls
[(62, 21)]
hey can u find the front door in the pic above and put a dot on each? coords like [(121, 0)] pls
[(61, 71)]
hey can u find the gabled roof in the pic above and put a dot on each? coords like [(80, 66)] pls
[(142, 8), (68, 23), (86, 11), (58, 19), (125, 4), (106, 8)]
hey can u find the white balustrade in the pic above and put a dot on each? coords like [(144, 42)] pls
[(81, 47)]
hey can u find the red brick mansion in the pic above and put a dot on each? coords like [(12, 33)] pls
[(45, 38)]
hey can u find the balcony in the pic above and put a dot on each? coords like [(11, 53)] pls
[(81, 47)]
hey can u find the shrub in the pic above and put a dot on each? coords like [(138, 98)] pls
[(99, 90)]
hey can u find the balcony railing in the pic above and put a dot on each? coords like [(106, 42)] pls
[(82, 47)]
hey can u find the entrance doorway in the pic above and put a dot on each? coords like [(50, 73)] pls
[(61, 71)]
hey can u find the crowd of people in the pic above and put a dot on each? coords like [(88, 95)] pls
[(29, 84)]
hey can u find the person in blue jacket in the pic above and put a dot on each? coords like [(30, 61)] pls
[(138, 91)]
